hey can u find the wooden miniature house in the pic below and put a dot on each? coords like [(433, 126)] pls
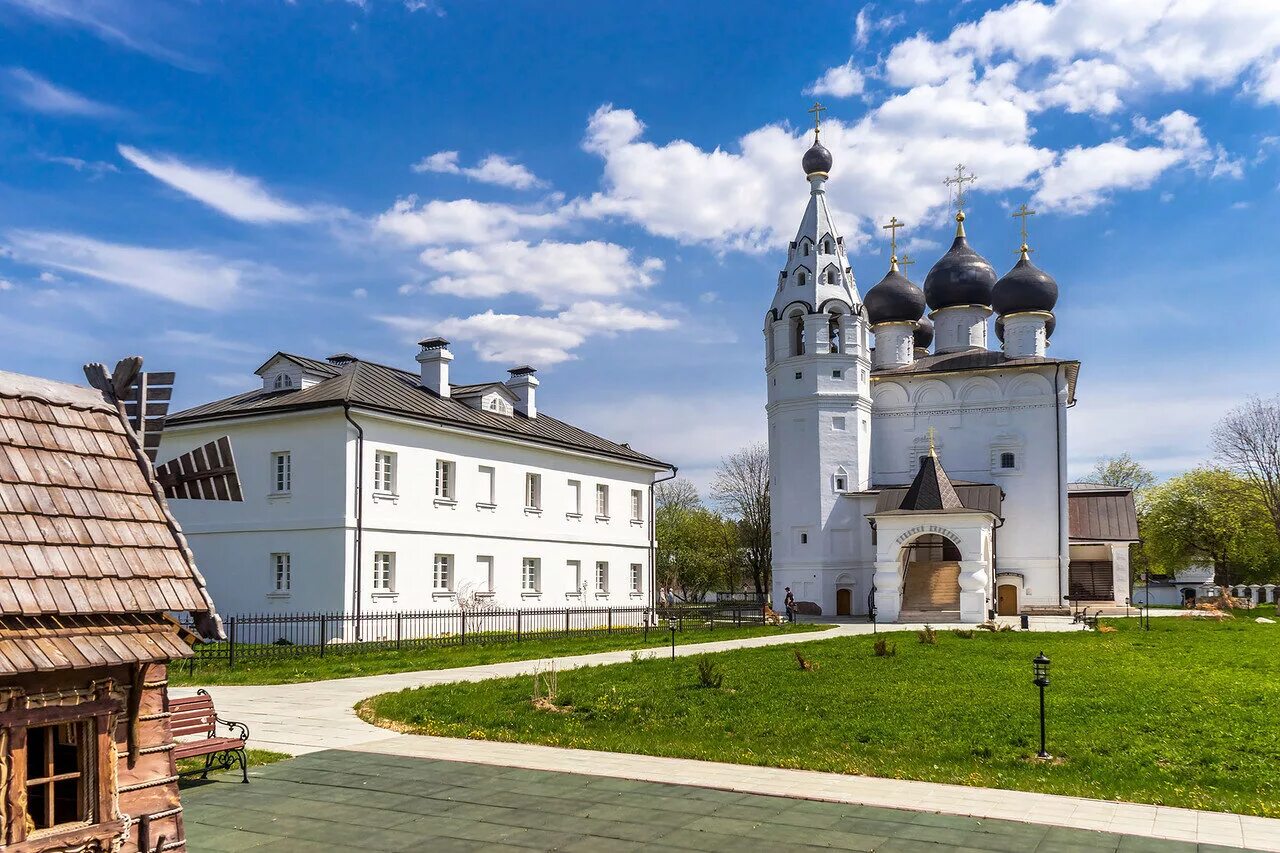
[(91, 567)]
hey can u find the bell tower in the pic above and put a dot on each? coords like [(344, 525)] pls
[(817, 367)]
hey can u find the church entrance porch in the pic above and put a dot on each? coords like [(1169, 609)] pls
[(931, 577)]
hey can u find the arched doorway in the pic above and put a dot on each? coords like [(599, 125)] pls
[(1007, 599), (844, 602), (931, 579)]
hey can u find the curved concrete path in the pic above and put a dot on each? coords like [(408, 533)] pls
[(304, 718)]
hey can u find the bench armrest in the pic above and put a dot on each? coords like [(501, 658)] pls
[(239, 730)]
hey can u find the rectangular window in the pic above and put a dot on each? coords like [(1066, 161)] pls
[(533, 491), (281, 472), (602, 576), (384, 471), (836, 374), (444, 480), (637, 577), (838, 424), (575, 497), (1008, 460), (280, 573), (637, 505), (602, 500), (575, 572), (488, 495), (57, 759), (442, 574), (531, 575), (484, 568), (384, 571)]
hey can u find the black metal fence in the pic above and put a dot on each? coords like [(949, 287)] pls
[(276, 635)]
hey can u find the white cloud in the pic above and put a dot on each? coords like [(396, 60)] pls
[(360, 293), (537, 340), (94, 168), (38, 94), (841, 81), (224, 190), (209, 345), (462, 221), (866, 24), (49, 278), (184, 276), (1081, 177), (551, 272), (5, 284), (494, 169), (709, 297), (119, 23)]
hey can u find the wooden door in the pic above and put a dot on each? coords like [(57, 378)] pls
[(1007, 599), (844, 602)]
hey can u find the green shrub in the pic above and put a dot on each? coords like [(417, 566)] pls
[(885, 649), (964, 634), (709, 674), (928, 636)]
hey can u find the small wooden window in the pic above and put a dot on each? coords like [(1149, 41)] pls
[(1008, 460), (57, 787)]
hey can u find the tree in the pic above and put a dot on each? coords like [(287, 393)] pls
[(741, 489), (1210, 514), (1247, 441), (694, 549), (1123, 471), (679, 492)]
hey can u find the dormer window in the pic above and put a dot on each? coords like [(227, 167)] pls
[(800, 278), (831, 276), (806, 250), (826, 247), (283, 381)]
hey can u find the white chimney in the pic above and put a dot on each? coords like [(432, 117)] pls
[(434, 358), (525, 385)]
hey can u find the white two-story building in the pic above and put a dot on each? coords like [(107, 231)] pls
[(371, 488)]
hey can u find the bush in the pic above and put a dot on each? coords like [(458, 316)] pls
[(709, 674), (928, 636), (885, 649), (964, 634)]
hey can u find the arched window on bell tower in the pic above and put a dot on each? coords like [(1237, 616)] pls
[(801, 278), (797, 334), (833, 334)]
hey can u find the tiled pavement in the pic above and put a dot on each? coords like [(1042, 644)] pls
[(339, 800)]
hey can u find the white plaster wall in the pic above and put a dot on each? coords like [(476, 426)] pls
[(233, 542), (977, 416)]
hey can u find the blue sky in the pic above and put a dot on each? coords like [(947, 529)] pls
[(606, 190)]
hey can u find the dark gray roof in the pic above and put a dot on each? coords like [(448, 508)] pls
[(931, 489), (367, 385), (981, 359), (1100, 513), (980, 497)]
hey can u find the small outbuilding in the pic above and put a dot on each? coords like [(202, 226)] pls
[(92, 567)]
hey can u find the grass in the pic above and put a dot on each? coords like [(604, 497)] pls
[(312, 667), (1184, 715), (257, 758)]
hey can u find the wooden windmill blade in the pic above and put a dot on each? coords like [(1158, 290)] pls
[(146, 403), (207, 473)]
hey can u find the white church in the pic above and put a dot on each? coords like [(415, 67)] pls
[(925, 473)]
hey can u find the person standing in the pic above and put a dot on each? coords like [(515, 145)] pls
[(789, 602)]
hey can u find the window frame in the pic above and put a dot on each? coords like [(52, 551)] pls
[(384, 471), (637, 506), (602, 501), (446, 481), (281, 472), (575, 494), (490, 473), (87, 767), (602, 577), (484, 567), (533, 491), (531, 576), (384, 562), (442, 564), (281, 559), (637, 578)]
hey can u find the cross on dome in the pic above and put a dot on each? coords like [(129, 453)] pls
[(817, 109), (892, 227), (1022, 213)]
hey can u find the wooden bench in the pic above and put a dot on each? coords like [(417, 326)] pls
[(195, 718)]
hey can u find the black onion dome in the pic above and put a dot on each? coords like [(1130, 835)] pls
[(1026, 287), (894, 300), (960, 277), (924, 333), (816, 159), (1049, 326)]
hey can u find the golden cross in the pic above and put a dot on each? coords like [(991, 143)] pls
[(817, 109), (1022, 213), (892, 228), (932, 450), (958, 182), (906, 261)]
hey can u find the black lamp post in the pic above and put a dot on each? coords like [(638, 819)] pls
[(671, 623), (1041, 666)]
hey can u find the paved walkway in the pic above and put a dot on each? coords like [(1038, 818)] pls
[(309, 718), (361, 801)]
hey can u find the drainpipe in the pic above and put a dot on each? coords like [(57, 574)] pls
[(1059, 418), (356, 576), (995, 559), (653, 539)]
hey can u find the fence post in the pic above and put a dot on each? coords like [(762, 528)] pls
[(566, 621), (324, 632), (610, 620), (518, 612), (713, 618), (462, 615), (231, 643), (398, 630)]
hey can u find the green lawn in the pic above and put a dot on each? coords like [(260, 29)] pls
[(349, 664), (1185, 715)]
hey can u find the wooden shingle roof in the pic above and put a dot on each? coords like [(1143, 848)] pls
[(84, 530)]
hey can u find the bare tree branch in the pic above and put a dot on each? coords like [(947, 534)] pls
[(1247, 441), (741, 489)]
